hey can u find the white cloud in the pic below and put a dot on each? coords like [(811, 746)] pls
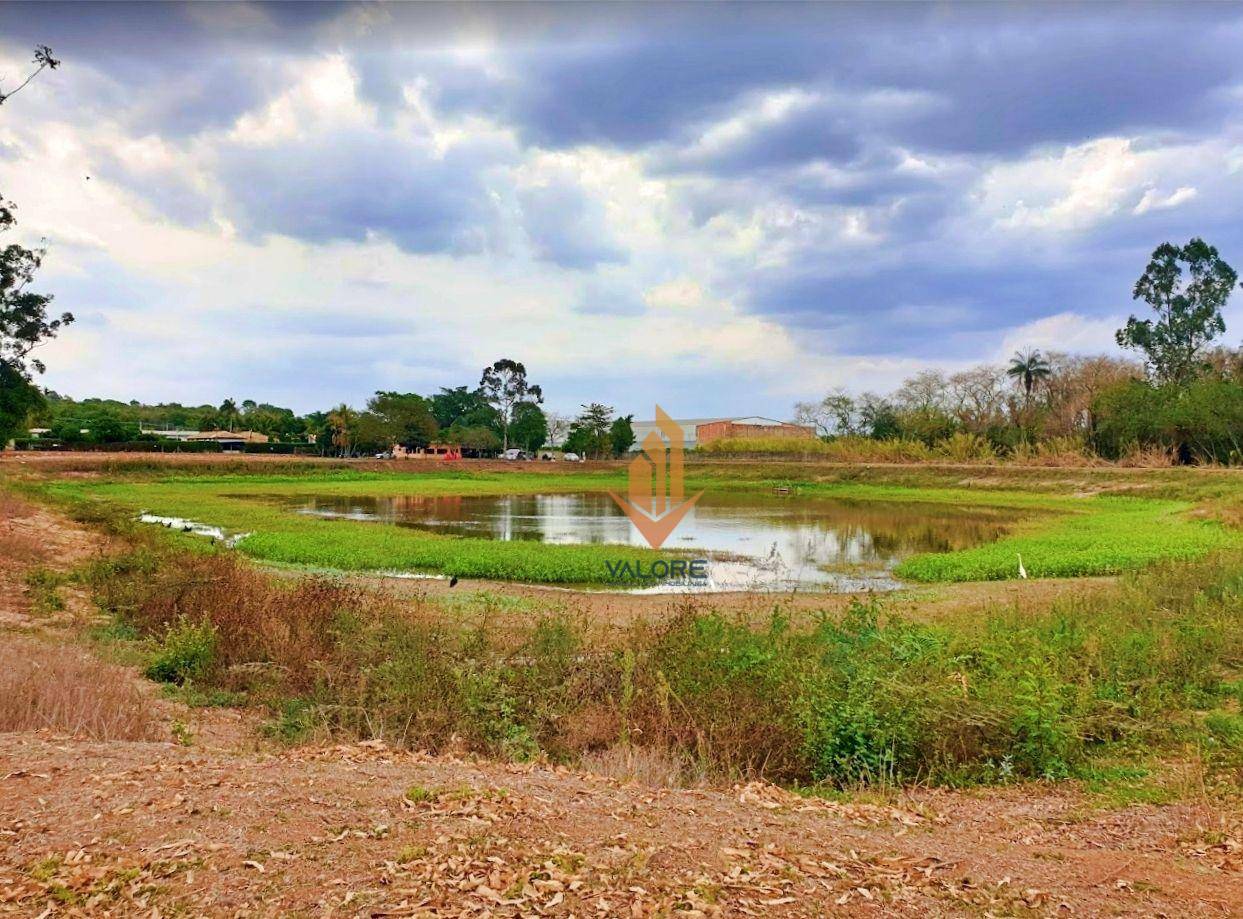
[(1067, 190), (1155, 201), (1066, 331)]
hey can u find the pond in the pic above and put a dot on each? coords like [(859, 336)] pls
[(754, 542)]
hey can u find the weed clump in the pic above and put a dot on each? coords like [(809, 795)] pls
[(186, 653)]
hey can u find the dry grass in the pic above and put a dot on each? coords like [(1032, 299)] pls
[(1149, 458), (60, 689), (17, 545), (652, 767), (290, 625)]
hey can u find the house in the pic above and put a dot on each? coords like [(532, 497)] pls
[(230, 441), (697, 431)]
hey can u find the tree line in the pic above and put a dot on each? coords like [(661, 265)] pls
[(1182, 393), (504, 410)]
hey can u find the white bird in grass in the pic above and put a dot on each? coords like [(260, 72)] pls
[(1022, 570)]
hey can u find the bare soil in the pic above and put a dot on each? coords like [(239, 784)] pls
[(619, 609), (213, 820)]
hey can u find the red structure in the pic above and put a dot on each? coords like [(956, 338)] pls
[(749, 427)]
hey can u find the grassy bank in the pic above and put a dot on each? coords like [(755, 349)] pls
[(1031, 691), (1058, 534)]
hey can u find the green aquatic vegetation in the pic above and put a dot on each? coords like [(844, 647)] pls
[(1057, 534), (1104, 535)]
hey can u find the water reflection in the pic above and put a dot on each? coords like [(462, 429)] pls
[(799, 536)]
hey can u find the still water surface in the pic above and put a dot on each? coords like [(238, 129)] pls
[(755, 541)]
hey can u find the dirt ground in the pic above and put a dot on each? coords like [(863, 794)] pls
[(214, 820), (619, 609)]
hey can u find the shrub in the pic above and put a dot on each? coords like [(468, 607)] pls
[(964, 447), (186, 653), (1201, 421)]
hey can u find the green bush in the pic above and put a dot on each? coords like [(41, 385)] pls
[(1201, 421), (294, 722), (186, 653)]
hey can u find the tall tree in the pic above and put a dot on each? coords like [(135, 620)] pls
[(529, 429), (835, 414), (1189, 313), (558, 427), (621, 434), (589, 435), (462, 407), (342, 422), (228, 414), (24, 320), (19, 400), (1028, 368), (504, 385), (407, 417)]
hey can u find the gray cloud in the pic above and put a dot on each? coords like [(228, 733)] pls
[(902, 115), (566, 227), (348, 185)]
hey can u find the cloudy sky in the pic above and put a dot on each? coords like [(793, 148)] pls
[(720, 208)]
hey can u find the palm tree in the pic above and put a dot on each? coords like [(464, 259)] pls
[(228, 414), (1030, 367), (341, 421)]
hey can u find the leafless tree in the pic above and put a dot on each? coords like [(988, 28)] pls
[(43, 60)]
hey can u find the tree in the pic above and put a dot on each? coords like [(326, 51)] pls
[(24, 322), (478, 438), (589, 434), (924, 392), (504, 385), (832, 416), (341, 423), (228, 414), (877, 417), (272, 420), (1199, 422), (462, 407), (371, 433), (529, 429), (1028, 368), (621, 434), (43, 57), (18, 401), (978, 396), (24, 325), (407, 418), (558, 427), (1074, 386), (1189, 314)]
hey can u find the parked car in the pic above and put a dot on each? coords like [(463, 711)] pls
[(572, 458), (513, 453)]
